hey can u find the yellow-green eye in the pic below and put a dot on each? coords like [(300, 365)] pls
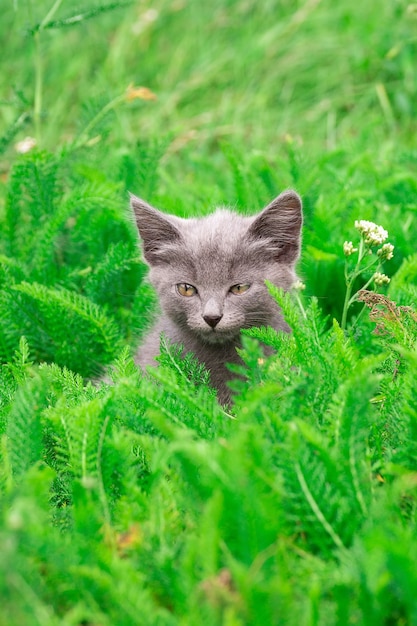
[(186, 290), (239, 289)]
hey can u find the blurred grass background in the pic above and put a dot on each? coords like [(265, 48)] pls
[(253, 73)]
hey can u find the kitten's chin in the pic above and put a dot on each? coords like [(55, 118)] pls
[(218, 337)]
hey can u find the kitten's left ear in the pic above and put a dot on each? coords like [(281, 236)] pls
[(279, 225)]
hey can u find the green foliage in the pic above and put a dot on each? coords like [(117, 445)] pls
[(142, 500), (63, 230), (150, 480)]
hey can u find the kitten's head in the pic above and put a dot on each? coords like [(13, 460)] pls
[(210, 272)]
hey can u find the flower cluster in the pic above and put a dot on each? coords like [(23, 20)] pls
[(373, 234), (27, 144), (348, 248), (141, 93), (298, 285), (380, 279), (386, 252)]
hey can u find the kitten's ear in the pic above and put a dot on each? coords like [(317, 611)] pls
[(279, 226), (155, 228)]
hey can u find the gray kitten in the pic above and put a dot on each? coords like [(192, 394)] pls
[(210, 275)]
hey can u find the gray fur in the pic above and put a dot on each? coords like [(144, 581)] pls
[(213, 254)]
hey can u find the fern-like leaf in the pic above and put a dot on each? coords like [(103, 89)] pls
[(351, 417), (24, 429), (70, 325), (31, 196)]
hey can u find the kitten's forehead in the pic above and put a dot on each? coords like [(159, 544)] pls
[(215, 243), (222, 229)]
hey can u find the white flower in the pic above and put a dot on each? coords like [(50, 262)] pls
[(373, 234), (299, 285), (348, 248), (25, 145), (381, 279), (386, 252)]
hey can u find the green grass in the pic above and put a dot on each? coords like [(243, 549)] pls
[(145, 502)]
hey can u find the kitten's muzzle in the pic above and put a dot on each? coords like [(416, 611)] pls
[(212, 312), (212, 320)]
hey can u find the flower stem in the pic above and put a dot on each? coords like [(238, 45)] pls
[(350, 279), (346, 304)]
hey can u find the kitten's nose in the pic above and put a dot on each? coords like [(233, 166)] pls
[(212, 320)]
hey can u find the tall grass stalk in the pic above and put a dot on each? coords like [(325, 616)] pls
[(39, 68)]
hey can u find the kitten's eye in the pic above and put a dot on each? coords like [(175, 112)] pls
[(184, 289), (239, 289)]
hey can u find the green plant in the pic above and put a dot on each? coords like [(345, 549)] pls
[(142, 501), (371, 236), (71, 279)]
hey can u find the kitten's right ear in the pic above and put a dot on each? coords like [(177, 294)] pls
[(155, 228)]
